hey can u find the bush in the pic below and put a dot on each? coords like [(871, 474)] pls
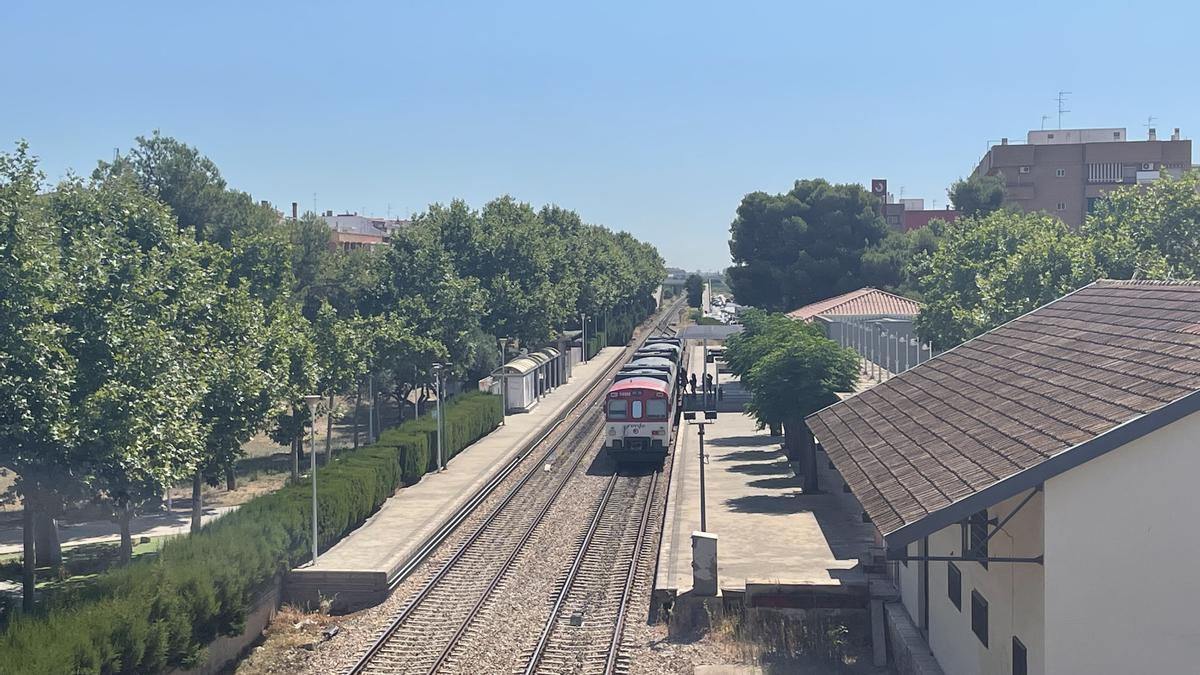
[(159, 614)]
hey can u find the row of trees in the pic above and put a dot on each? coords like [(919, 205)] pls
[(152, 319), (999, 264), (991, 264)]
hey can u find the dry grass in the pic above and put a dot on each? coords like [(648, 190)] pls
[(791, 641), (291, 636)]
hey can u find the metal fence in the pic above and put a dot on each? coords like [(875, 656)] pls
[(888, 346)]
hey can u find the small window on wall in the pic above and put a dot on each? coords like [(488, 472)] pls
[(979, 617), (954, 585), (1062, 206), (1060, 172), (978, 535), (1020, 658)]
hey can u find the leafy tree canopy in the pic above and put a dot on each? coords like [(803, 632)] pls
[(801, 246), (978, 195)]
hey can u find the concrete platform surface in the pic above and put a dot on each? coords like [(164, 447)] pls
[(360, 566), (768, 530)]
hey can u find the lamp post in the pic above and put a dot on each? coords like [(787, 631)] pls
[(439, 374), (312, 400), (583, 338), (503, 379)]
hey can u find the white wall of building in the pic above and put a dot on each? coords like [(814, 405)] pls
[(1014, 593), (1122, 554)]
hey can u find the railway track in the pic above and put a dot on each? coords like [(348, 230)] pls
[(584, 631), (432, 625)]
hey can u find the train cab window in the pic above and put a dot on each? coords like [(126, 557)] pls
[(637, 411), (656, 408), (616, 410)]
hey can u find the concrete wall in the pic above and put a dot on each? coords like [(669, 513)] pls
[(1014, 593), (1122, 590), (227, 649)]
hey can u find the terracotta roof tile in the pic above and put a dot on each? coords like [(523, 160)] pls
[(863, 302), (1007, 401)]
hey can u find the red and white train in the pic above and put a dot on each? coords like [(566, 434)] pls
[(639, 407)]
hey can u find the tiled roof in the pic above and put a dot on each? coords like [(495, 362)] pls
[(863, 302), (1007, 410)]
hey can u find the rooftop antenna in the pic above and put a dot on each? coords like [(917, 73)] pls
[(1044, 118), (1150, 122), (901, 193), (1062, 98)]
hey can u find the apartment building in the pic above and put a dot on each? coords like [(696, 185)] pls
[(350, 231), (1064, 171)]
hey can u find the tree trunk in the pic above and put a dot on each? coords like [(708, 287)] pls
[(124, 516), (197, 506), (791, 445), (28, 571), (329, 431), (230, 478), (357, 410), (295, 459), (776, 429), (45, 532), (809, 462)]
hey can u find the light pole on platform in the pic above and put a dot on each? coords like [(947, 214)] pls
[(313, 400)]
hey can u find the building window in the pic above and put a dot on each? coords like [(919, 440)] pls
[(1023, 169), (977, 524), (1091, 204), (1117, 135), (954, 585), (1062, 206), (1060, 172), (1020, 658), (979, 618)]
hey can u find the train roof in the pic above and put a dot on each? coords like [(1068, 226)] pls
[(639, 383), (642, 372), (651, 361)]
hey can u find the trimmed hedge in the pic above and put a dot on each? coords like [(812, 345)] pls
[(469, 417), (159, 614)]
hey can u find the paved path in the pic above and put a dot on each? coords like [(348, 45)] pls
[(768, 530), (374, 553), (98, 531)]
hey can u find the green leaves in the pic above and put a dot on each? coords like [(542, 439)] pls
[(801, 246)]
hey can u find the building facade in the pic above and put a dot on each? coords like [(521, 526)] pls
[(1064, 171), (1033, 486), (350, 231)]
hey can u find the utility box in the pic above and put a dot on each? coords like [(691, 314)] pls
[(704, 564)]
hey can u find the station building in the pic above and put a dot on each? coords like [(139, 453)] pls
[(878, 324), (1034, 487)]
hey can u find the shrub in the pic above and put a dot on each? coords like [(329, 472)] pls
[(159, 614)]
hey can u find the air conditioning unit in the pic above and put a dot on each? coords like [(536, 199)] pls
[(1147, 166), (1023, 169)]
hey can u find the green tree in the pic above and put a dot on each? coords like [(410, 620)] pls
[(142, 294), (889, 264), (695, 290), (791, 370), (978, 196), (37, 372), (1149, 231), (801, 246), (990, 269)]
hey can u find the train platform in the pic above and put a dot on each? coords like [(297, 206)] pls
[(770, 534), (359, 570)]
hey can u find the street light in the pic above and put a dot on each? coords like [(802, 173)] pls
[(439, 372), (312, 400), (583, 338)]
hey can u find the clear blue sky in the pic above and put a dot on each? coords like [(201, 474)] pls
[(649, 117)]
